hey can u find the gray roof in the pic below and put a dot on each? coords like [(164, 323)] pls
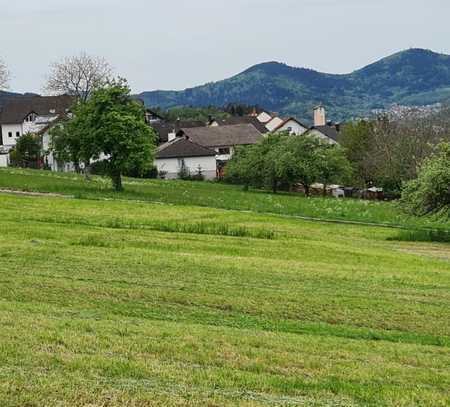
[(327, 130), (16, 110), (164, 128), (182, 147), (224, 136), (243, 120)]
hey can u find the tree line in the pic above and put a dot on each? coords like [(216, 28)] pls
[(280, 161)]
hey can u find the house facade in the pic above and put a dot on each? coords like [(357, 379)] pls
[(181, 154), (28, 115)]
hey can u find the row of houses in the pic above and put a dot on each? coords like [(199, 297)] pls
[(207, 147), (193, 146)]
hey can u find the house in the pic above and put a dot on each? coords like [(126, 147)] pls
[(29, 115), (327, 131), (182, 153), (224, 139), (292, 126)]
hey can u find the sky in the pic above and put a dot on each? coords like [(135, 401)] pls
[(174, 44)]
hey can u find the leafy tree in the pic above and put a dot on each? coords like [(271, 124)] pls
[(430, 192), (333, 165), (27, 151), (356, 142), (300, 161), (66, 145), (110, 125)]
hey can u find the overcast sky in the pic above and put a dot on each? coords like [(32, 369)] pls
[(173, 44)]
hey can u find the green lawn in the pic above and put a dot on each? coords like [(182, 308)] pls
[(108, 303), (213, 195)]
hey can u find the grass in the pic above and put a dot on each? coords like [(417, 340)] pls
[(132, 303), (215, 196)]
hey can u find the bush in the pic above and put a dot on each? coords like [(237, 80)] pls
[(430, 192)]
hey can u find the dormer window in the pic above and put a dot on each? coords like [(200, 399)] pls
[(31, 118)]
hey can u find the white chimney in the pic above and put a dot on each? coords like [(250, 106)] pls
[(172, 136), (319, 116)]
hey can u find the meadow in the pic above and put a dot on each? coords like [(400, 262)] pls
[(149, 299), (216, 195)]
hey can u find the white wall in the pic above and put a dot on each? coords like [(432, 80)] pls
[(172, 166), (13, 128), (296, 128)]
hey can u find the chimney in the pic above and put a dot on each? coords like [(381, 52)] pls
[(319, 116)]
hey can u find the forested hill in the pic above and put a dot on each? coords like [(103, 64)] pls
[(412, 77)]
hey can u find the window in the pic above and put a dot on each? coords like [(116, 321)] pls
[(10, 134), (17, 134), (224, 150)]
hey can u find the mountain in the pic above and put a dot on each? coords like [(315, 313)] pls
[(412, 77)]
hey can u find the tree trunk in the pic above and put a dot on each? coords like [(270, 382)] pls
[(324, 190), (117, 182), (87, 171), (307, 191), (274, 186)]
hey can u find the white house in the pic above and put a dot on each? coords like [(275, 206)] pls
[(181, 153), (292, 126), (24, 115)]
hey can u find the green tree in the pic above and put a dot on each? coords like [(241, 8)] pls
[(333, 165), (356, 141), (430, 192), (110, 125), (27, 152), (300, 161)]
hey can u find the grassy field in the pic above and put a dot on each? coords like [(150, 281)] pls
[(212, 195), (128, 303)]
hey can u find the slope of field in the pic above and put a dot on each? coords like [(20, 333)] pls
[(214, 195), (126, 303)]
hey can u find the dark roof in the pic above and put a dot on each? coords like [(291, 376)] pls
[(327, 130), (164, 128), (243, 120), (17, 109), (221, 136), (182, 147)]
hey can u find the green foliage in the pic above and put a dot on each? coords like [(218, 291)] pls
[(281, 160), (411, 77), (386, 152), (430, 192), (27, 152), (111, 124), (356, 142)]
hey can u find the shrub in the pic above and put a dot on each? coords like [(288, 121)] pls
[(430, 192)]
